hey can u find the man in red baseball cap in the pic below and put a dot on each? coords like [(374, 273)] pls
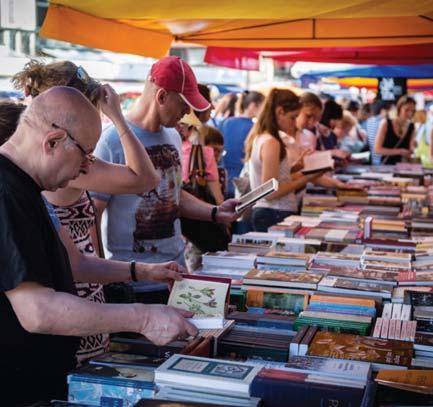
[(175, 75), (146, 227)]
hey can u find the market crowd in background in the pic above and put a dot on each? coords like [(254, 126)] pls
[(142, 202)]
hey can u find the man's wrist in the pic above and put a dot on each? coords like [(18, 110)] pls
[(213, 214), (132, 270)]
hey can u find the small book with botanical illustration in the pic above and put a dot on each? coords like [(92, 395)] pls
[(207, 297)]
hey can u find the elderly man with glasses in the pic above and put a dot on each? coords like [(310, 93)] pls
[(42, 318)]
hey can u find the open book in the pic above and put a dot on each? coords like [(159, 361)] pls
[(318, 162), (207, 297), (260, 192)]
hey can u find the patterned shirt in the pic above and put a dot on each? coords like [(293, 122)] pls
[(78, 219)]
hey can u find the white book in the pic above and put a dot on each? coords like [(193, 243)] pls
[(195, 372), (396, 311), (387, 310), (256, 194), (405, 312)]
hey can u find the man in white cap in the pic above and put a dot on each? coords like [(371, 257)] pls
[(146, 227)]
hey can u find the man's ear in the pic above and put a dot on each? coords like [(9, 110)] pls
[(52, 139), (161, 96)]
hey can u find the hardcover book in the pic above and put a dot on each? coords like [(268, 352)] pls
[(334, 284), (203, 373), (346, 369), (96, 384), (420, 381), (277, 278), (380, 352), (206, 297)]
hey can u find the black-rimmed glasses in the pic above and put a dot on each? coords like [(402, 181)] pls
[(89, 156)]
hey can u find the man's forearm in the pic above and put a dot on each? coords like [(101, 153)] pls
[(192, 208), (43, 310), (92, 269)]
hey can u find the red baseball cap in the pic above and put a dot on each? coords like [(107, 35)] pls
[(174, 74)]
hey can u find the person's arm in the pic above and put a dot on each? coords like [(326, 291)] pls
[(328, 181), (138, 175), (43, 310), (92, 269), (269, 155), (380, 139), (193, 208), (215, 189), (412, 142)]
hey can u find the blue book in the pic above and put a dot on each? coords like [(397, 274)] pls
[(278, 388), (110, 386), (341, 310)]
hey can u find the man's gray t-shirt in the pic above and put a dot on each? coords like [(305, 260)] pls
[(144, 227)]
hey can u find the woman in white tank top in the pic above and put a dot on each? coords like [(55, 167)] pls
[(269, 157)]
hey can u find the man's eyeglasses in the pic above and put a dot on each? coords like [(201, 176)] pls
[(80, 75), (89, 156)]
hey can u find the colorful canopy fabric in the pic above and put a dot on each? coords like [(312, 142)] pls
[(375, 71), (149, 27), (248, 58)]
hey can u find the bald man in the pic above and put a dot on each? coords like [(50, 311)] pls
[(41, 317)]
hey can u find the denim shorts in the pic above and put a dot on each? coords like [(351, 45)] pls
[(262, 218)]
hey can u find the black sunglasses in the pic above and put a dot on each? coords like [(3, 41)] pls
[(89, 156)]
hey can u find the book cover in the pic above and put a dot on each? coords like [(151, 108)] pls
[(277, 301), (355, 347), (206, 297), (195, 372)]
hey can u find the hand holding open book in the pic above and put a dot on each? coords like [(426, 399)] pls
[(318, 162), (207, 297)]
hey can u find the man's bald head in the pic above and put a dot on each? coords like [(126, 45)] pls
[(55, 136), (67, 108)]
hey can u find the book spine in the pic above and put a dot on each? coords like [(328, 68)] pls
[(296, 340), (306, 340), (378, 328)]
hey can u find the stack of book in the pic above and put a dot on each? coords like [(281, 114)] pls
[(275, 278), (395, 323), (243, 343), (337, 259), (188, 378), (286, 228), (106, 384), (284, 261), (280, 388), (232, 265), (253, 242), (332, 319), (269, 300)]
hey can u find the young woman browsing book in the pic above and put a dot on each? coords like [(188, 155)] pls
[(395, 138), (269, 157)]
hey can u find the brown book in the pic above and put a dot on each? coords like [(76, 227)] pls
[(379, 352), (282, 279), (420, 381)]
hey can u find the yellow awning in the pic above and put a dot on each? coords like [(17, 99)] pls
[(149, 27)]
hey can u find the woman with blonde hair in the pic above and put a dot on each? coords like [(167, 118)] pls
[(269, 157)]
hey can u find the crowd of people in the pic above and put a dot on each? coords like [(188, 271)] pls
[(82, 206)]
